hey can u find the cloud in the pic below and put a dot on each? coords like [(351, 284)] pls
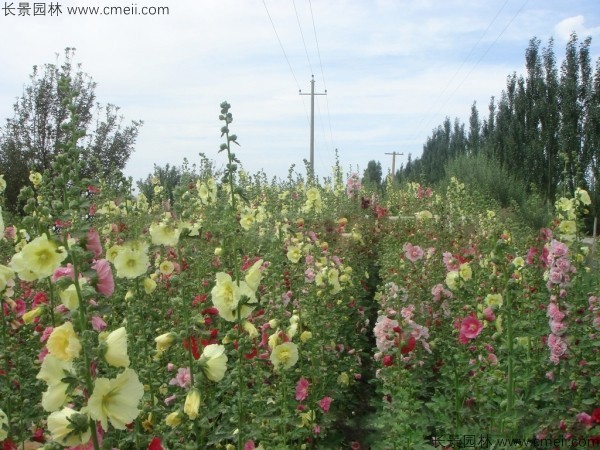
[(576, 24)]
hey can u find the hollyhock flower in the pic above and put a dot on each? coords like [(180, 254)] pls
[(412, 252), (38, 259), (488, 314), (164, 234), (596, 415), (192, 403), (149, 285), (558, 249), (69, 427), (3, 425), (254, 275), (388, 360), (131, 260), (302, 389), (55, 396), (494, 301), (63, 271), (214, 362), (155, 444), (554, 312), (409, 346), (166, 267), (98, 323), (164, 341), (116, 348), (452, 280), (93, 243), (558, 347), (450, 262), (227, 294), (294, 253), (325, 403), (384, 332), (284, 355), (173, 419), (585, 419), (249, 445), (116, 400), (465, 271), (470, 328), (105, 283), (69, 296), (183, 378), (63, 342)]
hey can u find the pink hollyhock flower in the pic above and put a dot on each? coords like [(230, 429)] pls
[(325, 403), (106, 282), (384, 332), (182, 379), (302, 389), (557, 328), (63, 272), (563, 265), (412, 252), (436, 291), (585, 419), (488, 314), (93, 243), (408, 312), (450, 261), (558, 347), (470, 328), (170, 399), (249, 445), (46, 334), (558, 249), (309, 275), (555, 276), (98, 324), (10, 232), (554, 313)]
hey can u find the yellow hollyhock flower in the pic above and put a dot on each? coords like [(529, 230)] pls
[(53, 369), (494, 300), (3, 425), (452, 279), (214, 362), (38, 259), (294, 253), (131, 261), (35, 178), (166, 267), (69, 427), (226, 296), (30, 316), (254, 275), (116, 348), (6, 274), (465, 271), (116, 400), (173, 419), (63, 343), (164, 341), (284, 355), (164, 234), (55, 396), (149, 285), (192, 403), (69, 297)]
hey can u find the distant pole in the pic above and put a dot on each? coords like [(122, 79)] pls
[(394, 162), (312, 122)]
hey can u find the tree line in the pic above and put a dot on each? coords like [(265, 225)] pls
[(544, 128)]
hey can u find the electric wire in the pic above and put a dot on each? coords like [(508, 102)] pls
[(429, 116), (285, 55)]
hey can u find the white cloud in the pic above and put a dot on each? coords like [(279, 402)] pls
[(576, 24)]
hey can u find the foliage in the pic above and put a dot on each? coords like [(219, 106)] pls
[(31, 140)]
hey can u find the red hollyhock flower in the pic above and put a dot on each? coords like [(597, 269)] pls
[(410, 345), (596, 415), (388, 360), (155, 444), (194, 345)]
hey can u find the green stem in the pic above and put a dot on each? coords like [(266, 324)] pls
[(510, 376), (8, 410), (83, 327), (51, 299), (240, 374)]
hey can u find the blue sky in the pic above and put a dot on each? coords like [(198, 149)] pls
[(393, 70)]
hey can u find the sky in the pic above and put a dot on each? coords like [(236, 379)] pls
[(393, 70)]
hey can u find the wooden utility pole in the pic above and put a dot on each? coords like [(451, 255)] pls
[(394, 154), (312, 122)]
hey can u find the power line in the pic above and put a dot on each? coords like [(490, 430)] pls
[(322, 73), (285, 55), (430, 117), (302, 34)]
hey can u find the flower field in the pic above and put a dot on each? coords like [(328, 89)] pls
[(248, 314)]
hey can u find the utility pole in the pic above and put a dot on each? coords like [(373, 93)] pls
[(312, 122), (394, 154)]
